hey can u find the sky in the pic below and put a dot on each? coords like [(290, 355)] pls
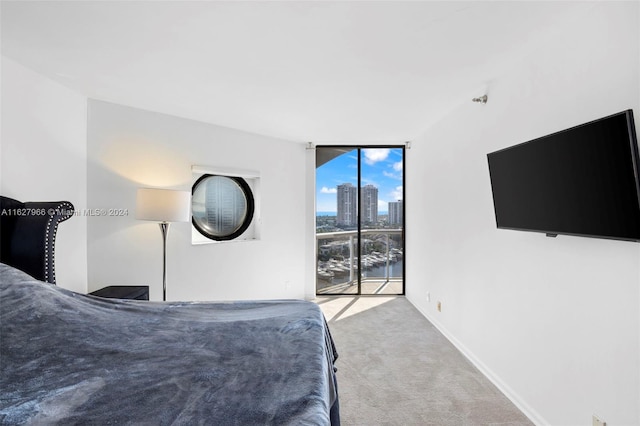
[(381, 167)]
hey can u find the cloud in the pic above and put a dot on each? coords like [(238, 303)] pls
[(374, 155), (326, 190), (366, 180), (397, 171), (397, 193)]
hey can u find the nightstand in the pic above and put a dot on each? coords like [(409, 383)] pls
[(138, 292)]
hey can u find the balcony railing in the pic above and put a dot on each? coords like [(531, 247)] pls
[(380, 269)]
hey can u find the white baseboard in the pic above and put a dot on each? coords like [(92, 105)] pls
[(528, 411)]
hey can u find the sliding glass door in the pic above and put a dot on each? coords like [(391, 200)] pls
[(360, 220)]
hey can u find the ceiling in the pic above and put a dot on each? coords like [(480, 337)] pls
[(340, 72)]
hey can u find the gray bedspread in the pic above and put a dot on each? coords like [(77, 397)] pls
[(67, 358)]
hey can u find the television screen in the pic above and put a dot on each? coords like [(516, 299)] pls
[(580, 181)]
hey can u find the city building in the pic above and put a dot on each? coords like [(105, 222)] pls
[(369, 204), (395, 212), (347, 213)]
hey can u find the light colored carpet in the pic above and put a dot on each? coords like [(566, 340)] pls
[(396, 368)]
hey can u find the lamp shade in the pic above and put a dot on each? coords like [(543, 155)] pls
[(163, 205)]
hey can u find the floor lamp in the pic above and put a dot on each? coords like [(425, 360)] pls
[(163, 206)]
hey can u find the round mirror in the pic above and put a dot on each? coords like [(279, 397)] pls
[(221, 206)]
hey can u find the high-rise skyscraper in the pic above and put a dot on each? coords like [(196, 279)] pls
[(369, 204), (347, 204), (395, 212)]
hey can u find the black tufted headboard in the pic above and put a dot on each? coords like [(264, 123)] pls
[(28, 235)]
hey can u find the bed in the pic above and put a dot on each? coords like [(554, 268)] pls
[(68, 358)]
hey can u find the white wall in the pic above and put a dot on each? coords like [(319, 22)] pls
[(554, 322), (43, 157), (130, 148)]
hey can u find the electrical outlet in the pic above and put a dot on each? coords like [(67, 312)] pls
[(598, 422), (439, 306)]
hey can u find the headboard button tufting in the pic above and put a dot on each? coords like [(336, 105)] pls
[(28, 235)]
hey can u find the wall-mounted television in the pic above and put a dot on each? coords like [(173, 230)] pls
[(582, 181)]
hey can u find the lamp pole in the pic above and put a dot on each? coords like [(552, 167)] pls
[(164, 228)]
